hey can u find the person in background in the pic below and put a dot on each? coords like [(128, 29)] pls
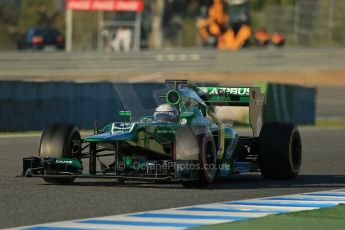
[(262, 38), (278, 39), (122, 40)]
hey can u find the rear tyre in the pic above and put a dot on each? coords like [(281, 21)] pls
[(280, 151), (207, 162), (60, 140)]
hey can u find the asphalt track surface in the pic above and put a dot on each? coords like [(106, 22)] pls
[(27, 201)]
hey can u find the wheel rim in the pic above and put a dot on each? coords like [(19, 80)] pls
[(71, 148), (296, 153)]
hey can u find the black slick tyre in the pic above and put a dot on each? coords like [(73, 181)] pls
[(280, 150), (207, 161), (60, 140)]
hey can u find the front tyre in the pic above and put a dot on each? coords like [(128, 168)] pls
[(280, 150), (60, 140), (207, 161)]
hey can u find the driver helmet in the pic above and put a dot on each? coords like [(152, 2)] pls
[(166, 112)]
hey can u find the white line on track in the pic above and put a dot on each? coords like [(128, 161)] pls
[(206, 214)]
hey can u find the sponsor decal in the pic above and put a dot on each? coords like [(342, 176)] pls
[(170, 113), (63, 162), (203, 90), (228, 91), (214, 91), (106, 5), (165, 131)]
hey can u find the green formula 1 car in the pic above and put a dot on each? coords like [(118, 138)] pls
[(183, 141)]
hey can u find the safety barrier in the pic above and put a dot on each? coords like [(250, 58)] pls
[(33, 105), (290, 103)]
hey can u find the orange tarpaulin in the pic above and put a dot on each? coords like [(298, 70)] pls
[(217, 12), (217, 25), (233, 41), (211, 25)]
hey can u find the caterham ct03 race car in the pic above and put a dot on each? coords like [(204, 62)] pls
[(183, 141)]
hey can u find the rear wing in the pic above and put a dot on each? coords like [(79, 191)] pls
[(236, 96), (225, 96)]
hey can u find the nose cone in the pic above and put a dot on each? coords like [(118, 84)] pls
[(108, 137)]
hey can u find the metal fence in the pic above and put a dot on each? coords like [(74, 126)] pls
[(308, 22), (305, 23)]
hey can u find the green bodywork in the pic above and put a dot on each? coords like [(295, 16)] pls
[(160, 140)]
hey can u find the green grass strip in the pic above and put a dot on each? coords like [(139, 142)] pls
[(330, 123), (319, 219)]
